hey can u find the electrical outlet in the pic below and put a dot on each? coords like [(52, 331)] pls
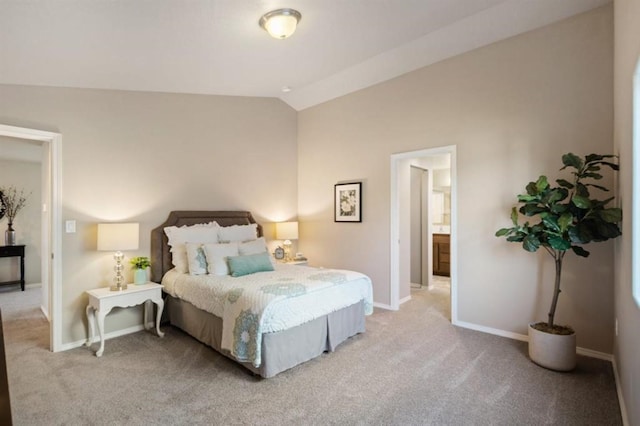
[(70, 226)]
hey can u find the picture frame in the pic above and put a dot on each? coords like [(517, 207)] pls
[(348, 202)]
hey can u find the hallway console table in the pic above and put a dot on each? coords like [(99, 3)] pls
[(14, 251)]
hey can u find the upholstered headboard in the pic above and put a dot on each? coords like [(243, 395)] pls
[(160, 254)]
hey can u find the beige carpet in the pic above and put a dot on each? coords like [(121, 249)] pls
[(411, 367)]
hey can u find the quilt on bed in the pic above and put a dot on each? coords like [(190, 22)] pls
[(267, 302)]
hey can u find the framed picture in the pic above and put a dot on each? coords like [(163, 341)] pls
[(348, 202)]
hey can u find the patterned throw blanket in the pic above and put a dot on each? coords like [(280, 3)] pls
[(271, 301)]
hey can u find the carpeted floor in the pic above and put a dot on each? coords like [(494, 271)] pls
[(412, 367)]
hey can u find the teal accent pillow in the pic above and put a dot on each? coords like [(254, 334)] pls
[(249, 264)]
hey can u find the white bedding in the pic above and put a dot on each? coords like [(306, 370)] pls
[(268, 302)]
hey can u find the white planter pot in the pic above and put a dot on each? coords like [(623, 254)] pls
[(553, 351)]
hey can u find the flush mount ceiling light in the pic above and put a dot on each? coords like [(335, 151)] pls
[(280, 23)]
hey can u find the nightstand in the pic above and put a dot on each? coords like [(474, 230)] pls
[(297, 262), (102, 300)]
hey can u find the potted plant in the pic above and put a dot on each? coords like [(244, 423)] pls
[(564, 217), (139, 265)]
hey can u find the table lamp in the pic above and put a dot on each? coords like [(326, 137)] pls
[(117, 237), (287, 231)]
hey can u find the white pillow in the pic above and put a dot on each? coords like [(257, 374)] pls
[(238, 233), (217, 255), (196, 258), (252, 247), (178, 236)]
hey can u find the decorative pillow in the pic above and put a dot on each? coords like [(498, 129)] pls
[(196, 259), (178, 236), (249, 264), (217, 255), (238, 233), (252, 247)]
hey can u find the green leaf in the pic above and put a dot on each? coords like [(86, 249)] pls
[(531, 209), (542, 184), (581, 202), (601, 188), (559, 208), (580, 251), (531, 188), (613, 166), (555, 195), (525, 198), (580, 233), (582, 190), (504, 231), (515, 238), (607, 231), (595, 157), (596, 176), (612, 215), (559, 243), (564, 221), (514, 216), (564, 183), (551, 223), (571, 160), (531, 243)]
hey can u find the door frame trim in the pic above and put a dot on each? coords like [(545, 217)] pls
[(394, 246), (52, 226)]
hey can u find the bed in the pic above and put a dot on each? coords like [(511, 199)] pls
[(330, 310)]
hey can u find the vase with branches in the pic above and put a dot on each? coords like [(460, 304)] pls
[(12, 200)]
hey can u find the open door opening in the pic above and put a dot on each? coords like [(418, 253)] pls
[(50, 229), (436, 218)]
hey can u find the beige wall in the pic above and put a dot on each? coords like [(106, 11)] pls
[(627, 345), (131, 156), (25, 176), (512, 109)]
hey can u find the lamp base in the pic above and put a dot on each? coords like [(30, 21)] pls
[(118, 288)]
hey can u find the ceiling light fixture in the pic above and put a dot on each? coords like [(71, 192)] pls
[(280, 23)]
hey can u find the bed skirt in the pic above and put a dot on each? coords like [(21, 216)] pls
[(280, 350)]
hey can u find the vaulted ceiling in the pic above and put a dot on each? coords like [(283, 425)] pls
[(217, 46)]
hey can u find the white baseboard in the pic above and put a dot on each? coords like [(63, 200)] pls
[(117, 333), (623, 406), (594, 354), (46, 314), (383, 306), (524, 338), (496, 331), (404, 300)]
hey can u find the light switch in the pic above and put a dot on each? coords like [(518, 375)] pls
[(70, 226)]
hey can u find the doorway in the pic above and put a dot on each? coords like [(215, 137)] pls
[(400, 219), (50, 228), (421, 268)]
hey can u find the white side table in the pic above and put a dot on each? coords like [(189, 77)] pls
[(297, 262), (102, 300)]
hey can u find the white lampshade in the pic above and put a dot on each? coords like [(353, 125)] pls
[(280, 23), (118, 236), (287, 230)]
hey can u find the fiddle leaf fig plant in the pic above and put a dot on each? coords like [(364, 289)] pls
[(564, 217)]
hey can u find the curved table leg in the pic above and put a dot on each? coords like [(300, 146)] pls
[(160, 304), (101, 316), (91, 319)]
